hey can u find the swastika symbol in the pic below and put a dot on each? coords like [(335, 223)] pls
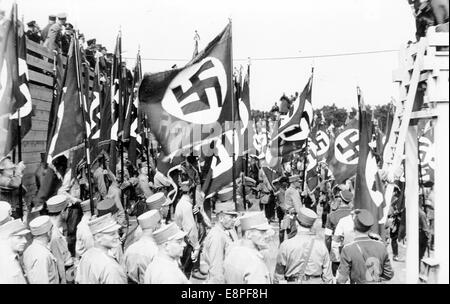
[(347, 147), (323, 143), (199, 87)]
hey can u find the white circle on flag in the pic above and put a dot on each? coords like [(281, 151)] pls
[(197, 93), (346, 147)]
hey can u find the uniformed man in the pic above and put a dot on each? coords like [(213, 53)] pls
[(159, 202), (85, 240), (12, 244), (344, 199), (164, 269), (5, 212), (40, 264), (293, 203), (141, 253), (10, 181), (33, 32), (57, 207), (282, 209), (53, 41), (51, 21), (304, 259), (220, 237), (244, 263), (97, 266), (364, 260), (250, 199), (40, 172)]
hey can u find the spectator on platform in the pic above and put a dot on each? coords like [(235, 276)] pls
[(54, 38), (33, 33), (44, 33)]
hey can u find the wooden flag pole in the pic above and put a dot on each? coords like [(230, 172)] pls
[(83, 106), (233, 118)]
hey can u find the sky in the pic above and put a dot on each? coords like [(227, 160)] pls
[(261, 29)]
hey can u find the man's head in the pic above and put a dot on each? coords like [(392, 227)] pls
[(284, 182), (57, 206), (256, 228), (159, 202), (170, 240), (362, 220), (7, 167), (105, 231), (226, 214), (51, 19), (306, 218), (294, 180), (62, 18), (107, 206), (41, 227), (13, 232), (150, 221)]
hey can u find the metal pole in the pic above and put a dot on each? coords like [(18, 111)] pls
[(233, 119)]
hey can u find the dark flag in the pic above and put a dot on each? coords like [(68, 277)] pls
[(369, 189), (15, 98), (295, 125), (184, 105), (344, 152), (69, 129), (95, 114)]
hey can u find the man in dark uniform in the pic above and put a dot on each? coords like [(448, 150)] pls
[(343, 198), (33, 32), (365, 260), (40, 172)]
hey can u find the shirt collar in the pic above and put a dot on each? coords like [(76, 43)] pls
[(362, 238)]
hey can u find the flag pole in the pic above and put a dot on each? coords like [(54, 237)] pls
[(305, 159), (83, 104), (233, 118)]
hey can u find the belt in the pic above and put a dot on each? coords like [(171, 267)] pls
[(305, 277)]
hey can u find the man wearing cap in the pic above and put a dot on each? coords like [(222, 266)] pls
[(85, 240), (244, 263), (53, 40), (12, 244), (303, 258), (5, 212), (343, 199), (40, 264), (293, 203), (282, 184), (364, 260), (164, 268), (141, 253), (33, 32), (220, 238), (44, 33), (57, 206), (97, 266), (10, 181)]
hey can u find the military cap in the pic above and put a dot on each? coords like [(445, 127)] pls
[(5, 212), (363, 220), (15, 227), (52, 17), (227, 208), (103, 224), (284, 180), (69, 26), (106, 206), (6, 163), (86, 206), (168, 233), (156, 201), (62, 16), (225, 195), (306, 217), (346, 196), (31, 23), (249, 182), (149, 219), (57, 203), (91, 42), (294, 178), (254, 220), (40, 225), (253, 156)]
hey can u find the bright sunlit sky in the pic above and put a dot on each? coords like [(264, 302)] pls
[(261, 29)]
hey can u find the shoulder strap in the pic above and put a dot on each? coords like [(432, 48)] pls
[(308, 255)]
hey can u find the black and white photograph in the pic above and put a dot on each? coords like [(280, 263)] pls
[(224, 143)]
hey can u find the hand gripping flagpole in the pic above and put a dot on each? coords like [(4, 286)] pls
[(83, 104)]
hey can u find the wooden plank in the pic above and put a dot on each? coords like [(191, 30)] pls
[(39, 63), (41, 115), (37, 135), (435, 62), (41, 92), (42, 105), (437, 38), (34, 146), (31, 157), (38, 48), (39, 126), (428, 113), (41, 78)]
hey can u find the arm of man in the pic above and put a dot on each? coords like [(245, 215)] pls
[(280, 268), (216, 256), (37, 273), (343, 272), (189, 226), (388, 272), (329, 228), (327, 273)]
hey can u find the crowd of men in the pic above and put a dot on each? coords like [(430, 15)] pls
[(61, 240)]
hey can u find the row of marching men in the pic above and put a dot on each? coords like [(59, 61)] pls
[(234, 249)]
